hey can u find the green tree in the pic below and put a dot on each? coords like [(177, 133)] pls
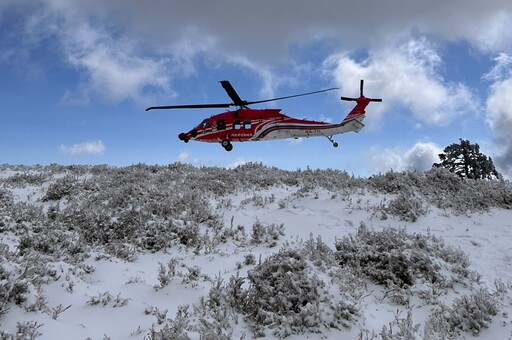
[(466, 160)]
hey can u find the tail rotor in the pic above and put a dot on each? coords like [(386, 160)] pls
[(361, 95)]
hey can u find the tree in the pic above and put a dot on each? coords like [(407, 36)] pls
[(466, 160)]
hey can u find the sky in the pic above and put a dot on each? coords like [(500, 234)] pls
[(76, 77)]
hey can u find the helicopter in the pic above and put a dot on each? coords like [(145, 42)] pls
[(247, 125)]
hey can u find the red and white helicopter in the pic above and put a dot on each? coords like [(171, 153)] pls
[(248, 125)]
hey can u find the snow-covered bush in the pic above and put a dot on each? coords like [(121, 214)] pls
[(395, 257), (5, 290), (474, 312), (21, 279), (391, 182), (445, 189), (26, 178), (266, 234), (176, 328), (467, 313), (287, 295), (24, 330), (60, 189), (406, 206), (166, 273), (107, 299), (400, 328)]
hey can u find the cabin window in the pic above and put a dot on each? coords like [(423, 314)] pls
[(237, 125), (221, 124), (247, 125)]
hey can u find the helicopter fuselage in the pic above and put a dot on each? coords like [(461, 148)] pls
[(245, 125)]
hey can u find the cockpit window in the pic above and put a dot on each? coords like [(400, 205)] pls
[(205, 124)]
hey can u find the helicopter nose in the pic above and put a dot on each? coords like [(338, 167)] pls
[(183, 136)]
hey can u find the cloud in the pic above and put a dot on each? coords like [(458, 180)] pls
[(111, 64), (124, 49), (87, 148), (237, 162), (185, 156), (420, 157), (495, 34), (404, 75), (258, 29), (502, 70), (113, 68), (499, 112)]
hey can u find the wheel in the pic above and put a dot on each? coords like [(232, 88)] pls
[(225, 143), (229, 147), (335, 144)]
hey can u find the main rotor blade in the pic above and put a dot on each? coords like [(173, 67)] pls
[(195, 106), (232, 93), (237, 101), (295, 95)]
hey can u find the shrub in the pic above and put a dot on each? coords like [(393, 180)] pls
[(406, 206), (61, 188), (468, 313), (474, 312), (286, 294), (396, 257), (268, 234)]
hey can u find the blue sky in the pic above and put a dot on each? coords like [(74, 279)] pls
[(76, 76)]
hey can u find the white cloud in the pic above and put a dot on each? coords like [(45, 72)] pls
[(87, 148), (420, 157), (502, 70), (485, 24), (111, 64), (493, 35), (405, 75), (123, 49), (499, 112), (238, 161), (499, 108), (185, 156), (112, 68)]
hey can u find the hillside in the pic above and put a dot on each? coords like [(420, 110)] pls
[(160, 252)]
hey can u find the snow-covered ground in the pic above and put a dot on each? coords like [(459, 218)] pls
[(236, 238)]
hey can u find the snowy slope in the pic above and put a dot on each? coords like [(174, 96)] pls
[(178, 252)]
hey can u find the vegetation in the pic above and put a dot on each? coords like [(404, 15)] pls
[(466, 160), (69, 216)]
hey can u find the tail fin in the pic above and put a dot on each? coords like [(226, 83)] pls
[(357, 112), (361, 103)]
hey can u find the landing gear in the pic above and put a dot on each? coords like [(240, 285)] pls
[(332, 141), (226, 144)]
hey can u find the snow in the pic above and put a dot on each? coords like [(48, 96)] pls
[(109, 297)]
